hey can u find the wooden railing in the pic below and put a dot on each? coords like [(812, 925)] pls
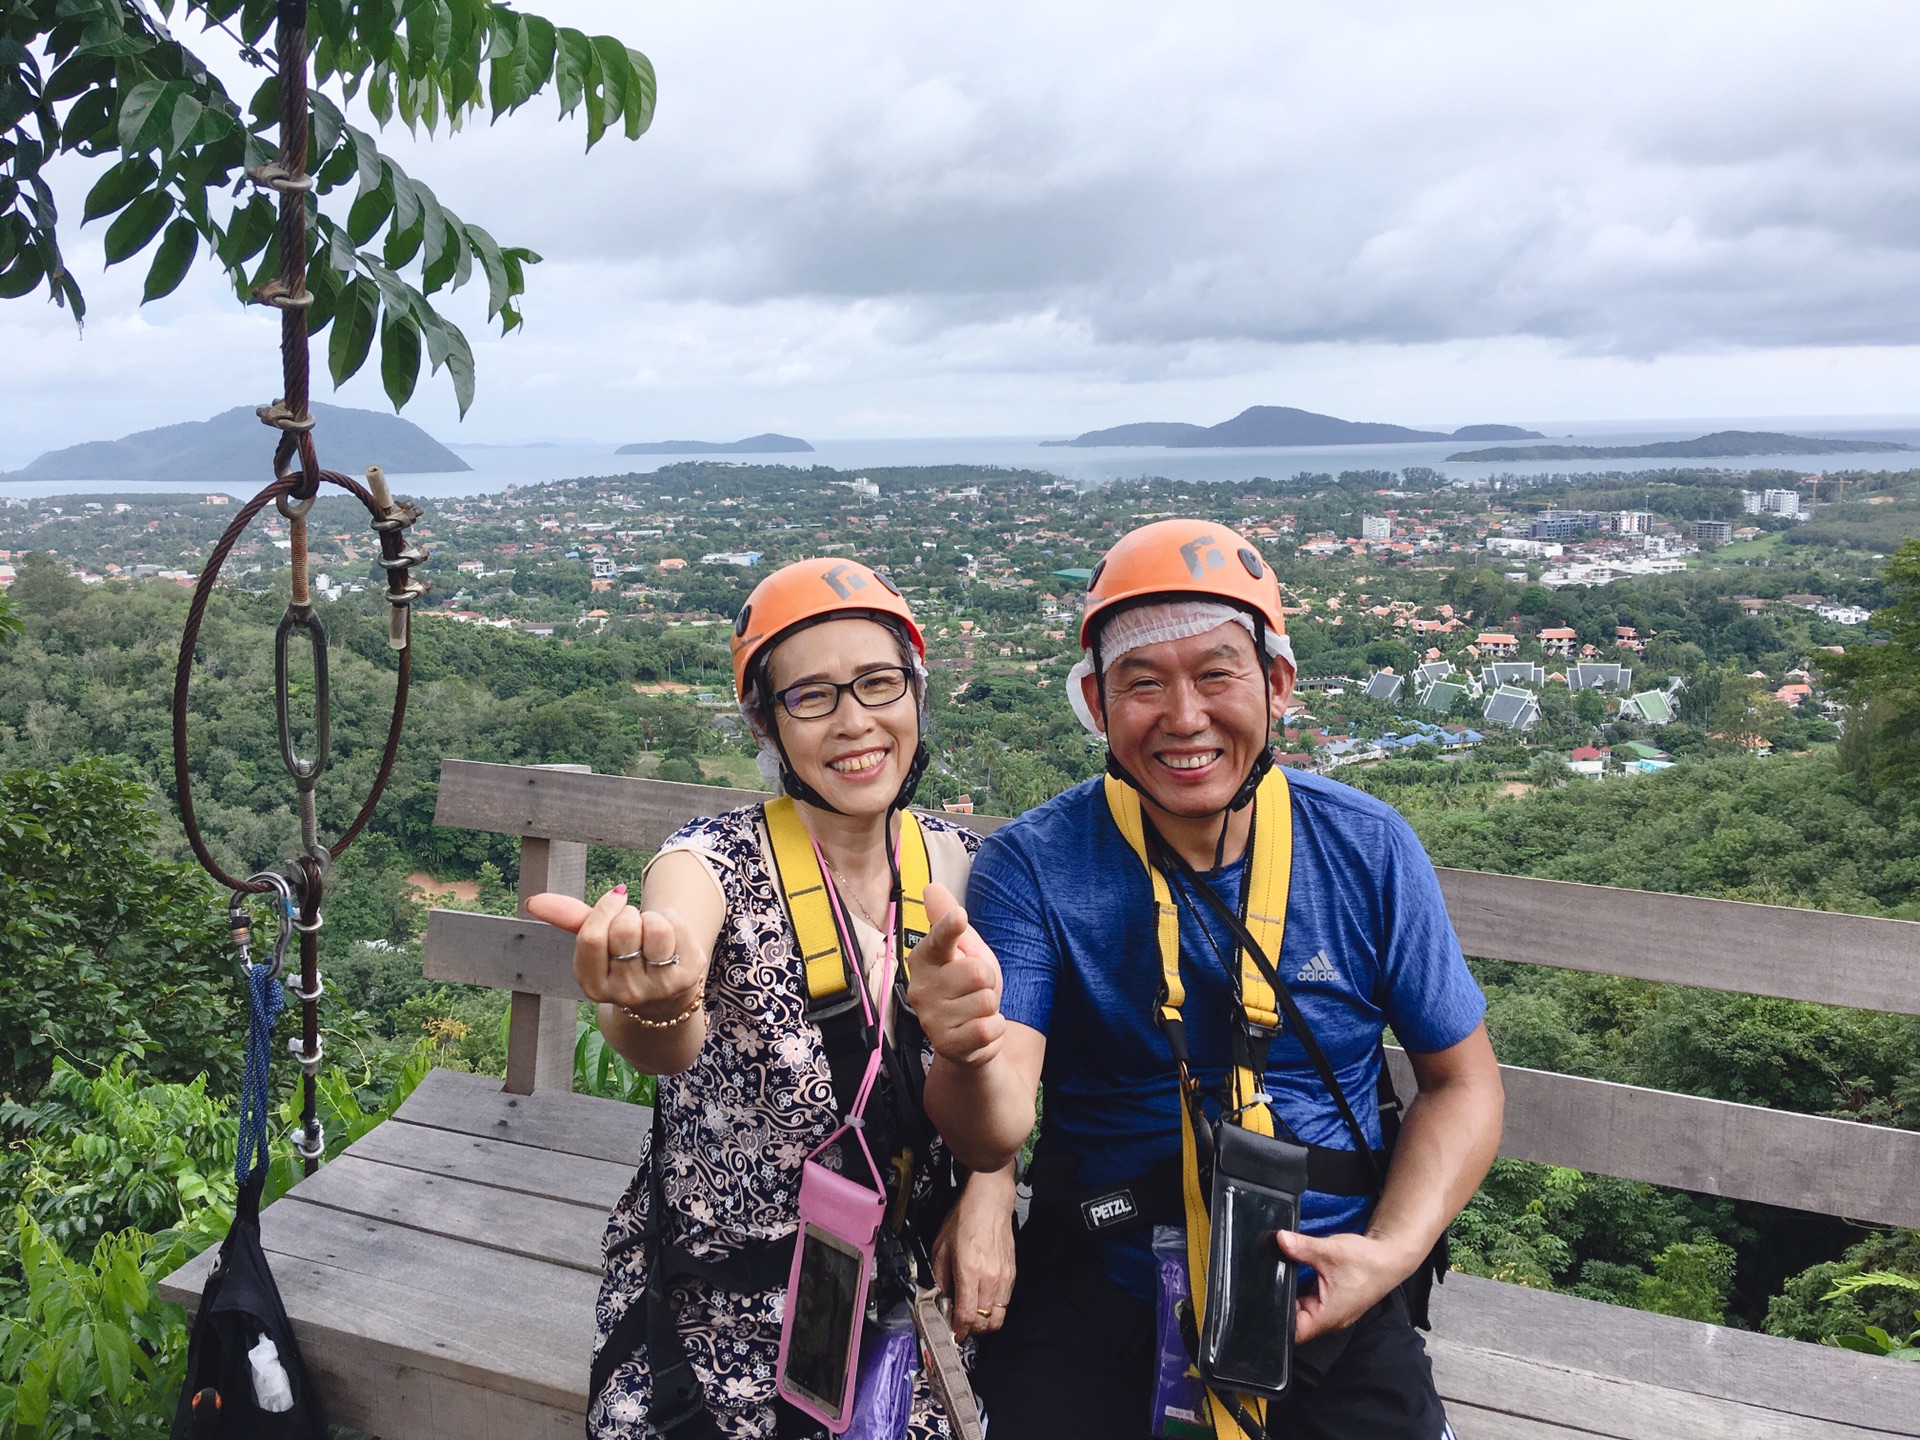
[(1744, 1152)]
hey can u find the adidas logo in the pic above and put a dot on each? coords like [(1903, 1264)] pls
[(1318, 971)]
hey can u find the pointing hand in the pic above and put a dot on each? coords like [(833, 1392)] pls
[(613, 928), (954, 985)]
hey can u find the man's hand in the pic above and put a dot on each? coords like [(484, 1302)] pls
[(613, 928), (1354, 1272), (954, 985)]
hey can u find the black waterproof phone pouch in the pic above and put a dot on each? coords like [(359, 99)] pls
[(1246, 1341)]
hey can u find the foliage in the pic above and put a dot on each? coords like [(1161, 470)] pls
[(1599, 1237), (1874, 1340), (113, 1182), (599, 1070), (105, 950), (93, 1350), (1882, 683), (107, 78), (1829, 1300)]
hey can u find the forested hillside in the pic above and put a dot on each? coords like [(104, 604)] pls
[(101, 912)]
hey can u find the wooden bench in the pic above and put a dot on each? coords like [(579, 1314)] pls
[(441, 1272)]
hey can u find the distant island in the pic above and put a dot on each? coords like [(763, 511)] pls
[(234, 448), (1264, 425), (753, 445), (1720, 444)]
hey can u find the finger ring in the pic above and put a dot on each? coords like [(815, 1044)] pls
[(984, 1314), (630, 955), (673, 959)]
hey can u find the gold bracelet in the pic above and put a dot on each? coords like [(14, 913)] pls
[(699, 999)]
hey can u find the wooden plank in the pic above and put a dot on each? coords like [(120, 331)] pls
[(359, 1330), (1788, 1376), (570, 1124), (1609, 1405), (1776, 950), (508, 1220), (1744, 1152), (619, 810), (1470, 1422), (540, 1036), (576, 1179), (501, 952)]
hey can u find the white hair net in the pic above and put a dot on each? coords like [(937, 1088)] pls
[(1154, 625)]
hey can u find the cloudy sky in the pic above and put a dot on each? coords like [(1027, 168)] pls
[(864, 219)]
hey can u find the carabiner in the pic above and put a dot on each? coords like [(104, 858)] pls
[(285, 911)]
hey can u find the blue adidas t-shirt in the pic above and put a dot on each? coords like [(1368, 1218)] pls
[(1066, 905)]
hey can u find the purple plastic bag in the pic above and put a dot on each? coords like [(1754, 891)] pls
[(1179, 1399), (883, 1392)]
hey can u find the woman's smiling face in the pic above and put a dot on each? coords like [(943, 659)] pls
[(857, 757)]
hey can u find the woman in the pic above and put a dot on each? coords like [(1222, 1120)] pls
[(704, 985)]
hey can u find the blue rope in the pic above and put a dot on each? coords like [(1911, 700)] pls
[(268, 996)]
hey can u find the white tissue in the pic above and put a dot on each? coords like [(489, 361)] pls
[(272, 1391)]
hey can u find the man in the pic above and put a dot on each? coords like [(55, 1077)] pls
[(1073, 973)]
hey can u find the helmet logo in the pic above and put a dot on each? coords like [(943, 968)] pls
[(844, 580), (1193, 553), (1251, 561)]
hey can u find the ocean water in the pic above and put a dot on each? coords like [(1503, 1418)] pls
[(497, 467)]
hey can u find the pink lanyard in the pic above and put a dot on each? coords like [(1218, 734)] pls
[(856, 1119)]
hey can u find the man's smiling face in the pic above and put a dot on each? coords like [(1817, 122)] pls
[(1187, 718)]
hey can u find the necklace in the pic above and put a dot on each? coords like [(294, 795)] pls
[(848, 891)]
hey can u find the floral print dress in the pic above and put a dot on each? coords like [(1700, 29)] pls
[(738, 1125)]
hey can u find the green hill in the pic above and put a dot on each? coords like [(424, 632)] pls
[(234, 448), (1719, 444)]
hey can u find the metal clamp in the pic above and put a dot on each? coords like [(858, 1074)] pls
[(319, 989), (276, 294), (310, 1064), (278, 416), (275, 176), (310, 1143)]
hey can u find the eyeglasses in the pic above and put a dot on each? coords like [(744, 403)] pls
[(817, 699)]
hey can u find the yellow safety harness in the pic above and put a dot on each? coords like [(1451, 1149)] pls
[(829, 968), (1268, 876)]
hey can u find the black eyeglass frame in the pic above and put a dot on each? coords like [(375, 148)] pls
[(843, 688)]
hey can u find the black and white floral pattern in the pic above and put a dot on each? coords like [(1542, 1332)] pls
[(738, 1126)]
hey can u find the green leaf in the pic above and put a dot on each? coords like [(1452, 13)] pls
[(447, 346), (248, 228), (136, 111), (115, 189), (499, 286), (437, 234), (399, 357), (172, 260), (114, 1350), (184, 119), (138, 224), (642, 91), (353, 325), (574, 58), (369, 213), (22, 276)]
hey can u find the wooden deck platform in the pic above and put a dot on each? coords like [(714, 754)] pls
[(441, 1272), (441, 1277)]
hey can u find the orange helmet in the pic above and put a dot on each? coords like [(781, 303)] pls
[(1173, 558), (811, 590)]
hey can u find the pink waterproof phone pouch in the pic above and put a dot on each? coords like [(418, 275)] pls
[(833, 1260)]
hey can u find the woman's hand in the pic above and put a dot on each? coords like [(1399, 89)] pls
[(613, 929), (973, 1254)]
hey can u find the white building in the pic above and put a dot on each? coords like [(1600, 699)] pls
[(1376, 527), (1771, 502), (1631, 522)]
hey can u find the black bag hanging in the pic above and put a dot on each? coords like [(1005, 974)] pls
[(245, 1378)]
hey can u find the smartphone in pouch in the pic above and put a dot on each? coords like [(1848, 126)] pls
[(827, 1294), (1246, 1340)]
